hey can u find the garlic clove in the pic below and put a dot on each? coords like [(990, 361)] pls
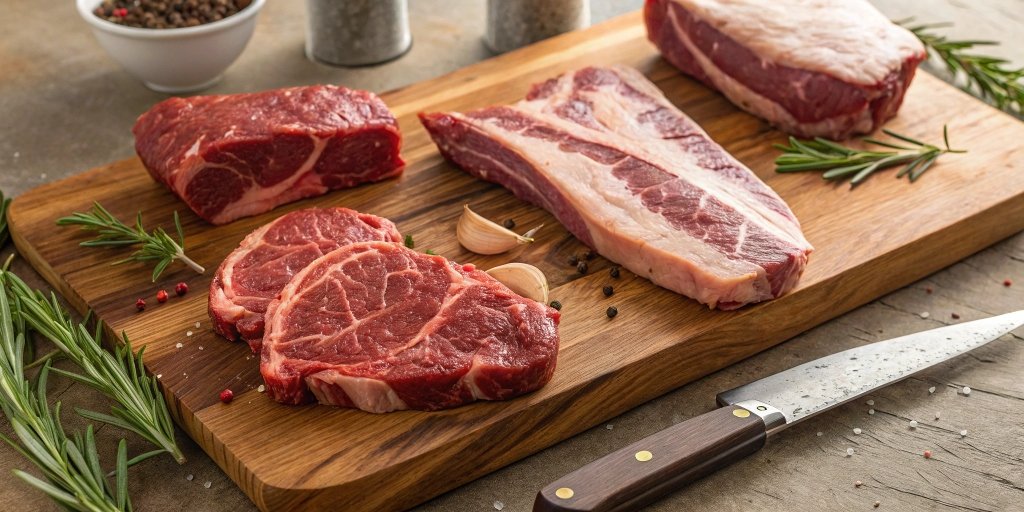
[(526, 280), (479, 235)]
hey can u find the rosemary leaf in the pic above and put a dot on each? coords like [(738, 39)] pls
[(840, 162), (154, 246)]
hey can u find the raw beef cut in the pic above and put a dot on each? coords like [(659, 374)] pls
[(379, 327), (828, 68), (254, 273), (243, 154), (636, 179)]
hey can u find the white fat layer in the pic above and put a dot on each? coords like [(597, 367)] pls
[(847, 39), (761, 106), (370, 395), (619, 115), (626, 232)]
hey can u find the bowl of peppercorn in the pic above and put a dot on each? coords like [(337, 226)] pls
[(173, 46)]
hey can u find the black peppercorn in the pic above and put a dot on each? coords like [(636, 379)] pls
[(590, 254), (614, 272), (612, 311), (608, 291), (581, 267), (557, 305), (509, 224), (573, 260)]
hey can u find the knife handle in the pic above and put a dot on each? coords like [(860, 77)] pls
[(650, 468)]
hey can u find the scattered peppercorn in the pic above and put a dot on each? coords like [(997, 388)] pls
[(1007, 283), (167, 13), (161, 296), (608, 291), (927, 454), (557, 305), (227, 396), (581, 267), (877, 503), (574, 260), (612, 311), (509, 224), (614, 272), (181, 289), (590, 254), (955, 316), (858, 483), (140, 304), (430, 252), (409, 242)]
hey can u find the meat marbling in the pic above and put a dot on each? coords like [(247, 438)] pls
[(254, 273), (236, 155), (636, 179), (380, 327), (829, 68)]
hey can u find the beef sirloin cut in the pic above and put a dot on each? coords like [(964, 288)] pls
[(380, 327), (254, 273), (237, 155), (828, 68), (636, 179)]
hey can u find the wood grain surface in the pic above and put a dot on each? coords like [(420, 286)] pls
[(869, 241)]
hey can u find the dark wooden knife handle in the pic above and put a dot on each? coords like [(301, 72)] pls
[(648, 469)]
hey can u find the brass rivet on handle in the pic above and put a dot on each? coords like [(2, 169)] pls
[(564, 493), (741, 413), (644, 455)]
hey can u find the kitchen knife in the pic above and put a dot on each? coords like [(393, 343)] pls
[(647, 469)]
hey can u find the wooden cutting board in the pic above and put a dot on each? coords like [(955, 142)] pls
[(883, 235)]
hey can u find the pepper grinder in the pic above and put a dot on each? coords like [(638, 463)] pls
[(512, 24), (357, 32)]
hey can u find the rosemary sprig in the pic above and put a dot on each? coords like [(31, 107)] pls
[(840, 162), (989, 76), (70, 465), (119, 375), (157, 245), (4, 203)]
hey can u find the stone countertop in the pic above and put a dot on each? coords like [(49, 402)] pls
[(67, 107)]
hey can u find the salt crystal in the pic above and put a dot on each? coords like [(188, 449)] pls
[(261, 388), (189, 477), (858, 483), (820, 434), (931, 390), (200, 347), (871, 402), (937, 414), (207, 484), (42, 176), (178, 345), (849, 452), (925, 314), (159, 375), (498, 505), (857, 431), (609, 426), (197, 325), (913, 423), (188, 333), (963, 433), (17, 154), (871, 411), (967, 390)]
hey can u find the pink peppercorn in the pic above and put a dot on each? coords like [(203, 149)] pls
[(181, 289), (226, 396), (140, 304), (161, 296)]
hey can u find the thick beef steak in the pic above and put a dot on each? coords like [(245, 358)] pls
[(379, 327), (828, 68), (243, 154), (631, 176), (254, 273)]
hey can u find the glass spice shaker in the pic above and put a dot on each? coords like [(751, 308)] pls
[(357, 32), (512, 24)]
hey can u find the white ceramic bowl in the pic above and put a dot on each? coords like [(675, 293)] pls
[(175, 60)]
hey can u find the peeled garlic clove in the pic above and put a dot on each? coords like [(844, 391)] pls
[(526, 280), (482, 236)]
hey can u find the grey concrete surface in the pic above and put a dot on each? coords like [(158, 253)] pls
[(66, 107)]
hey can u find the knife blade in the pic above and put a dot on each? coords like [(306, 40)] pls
[(640, 473)]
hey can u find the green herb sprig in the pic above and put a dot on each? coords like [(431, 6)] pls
[(988, 76), (140, 407), (157, 245), (840, 162), (70, 465)]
